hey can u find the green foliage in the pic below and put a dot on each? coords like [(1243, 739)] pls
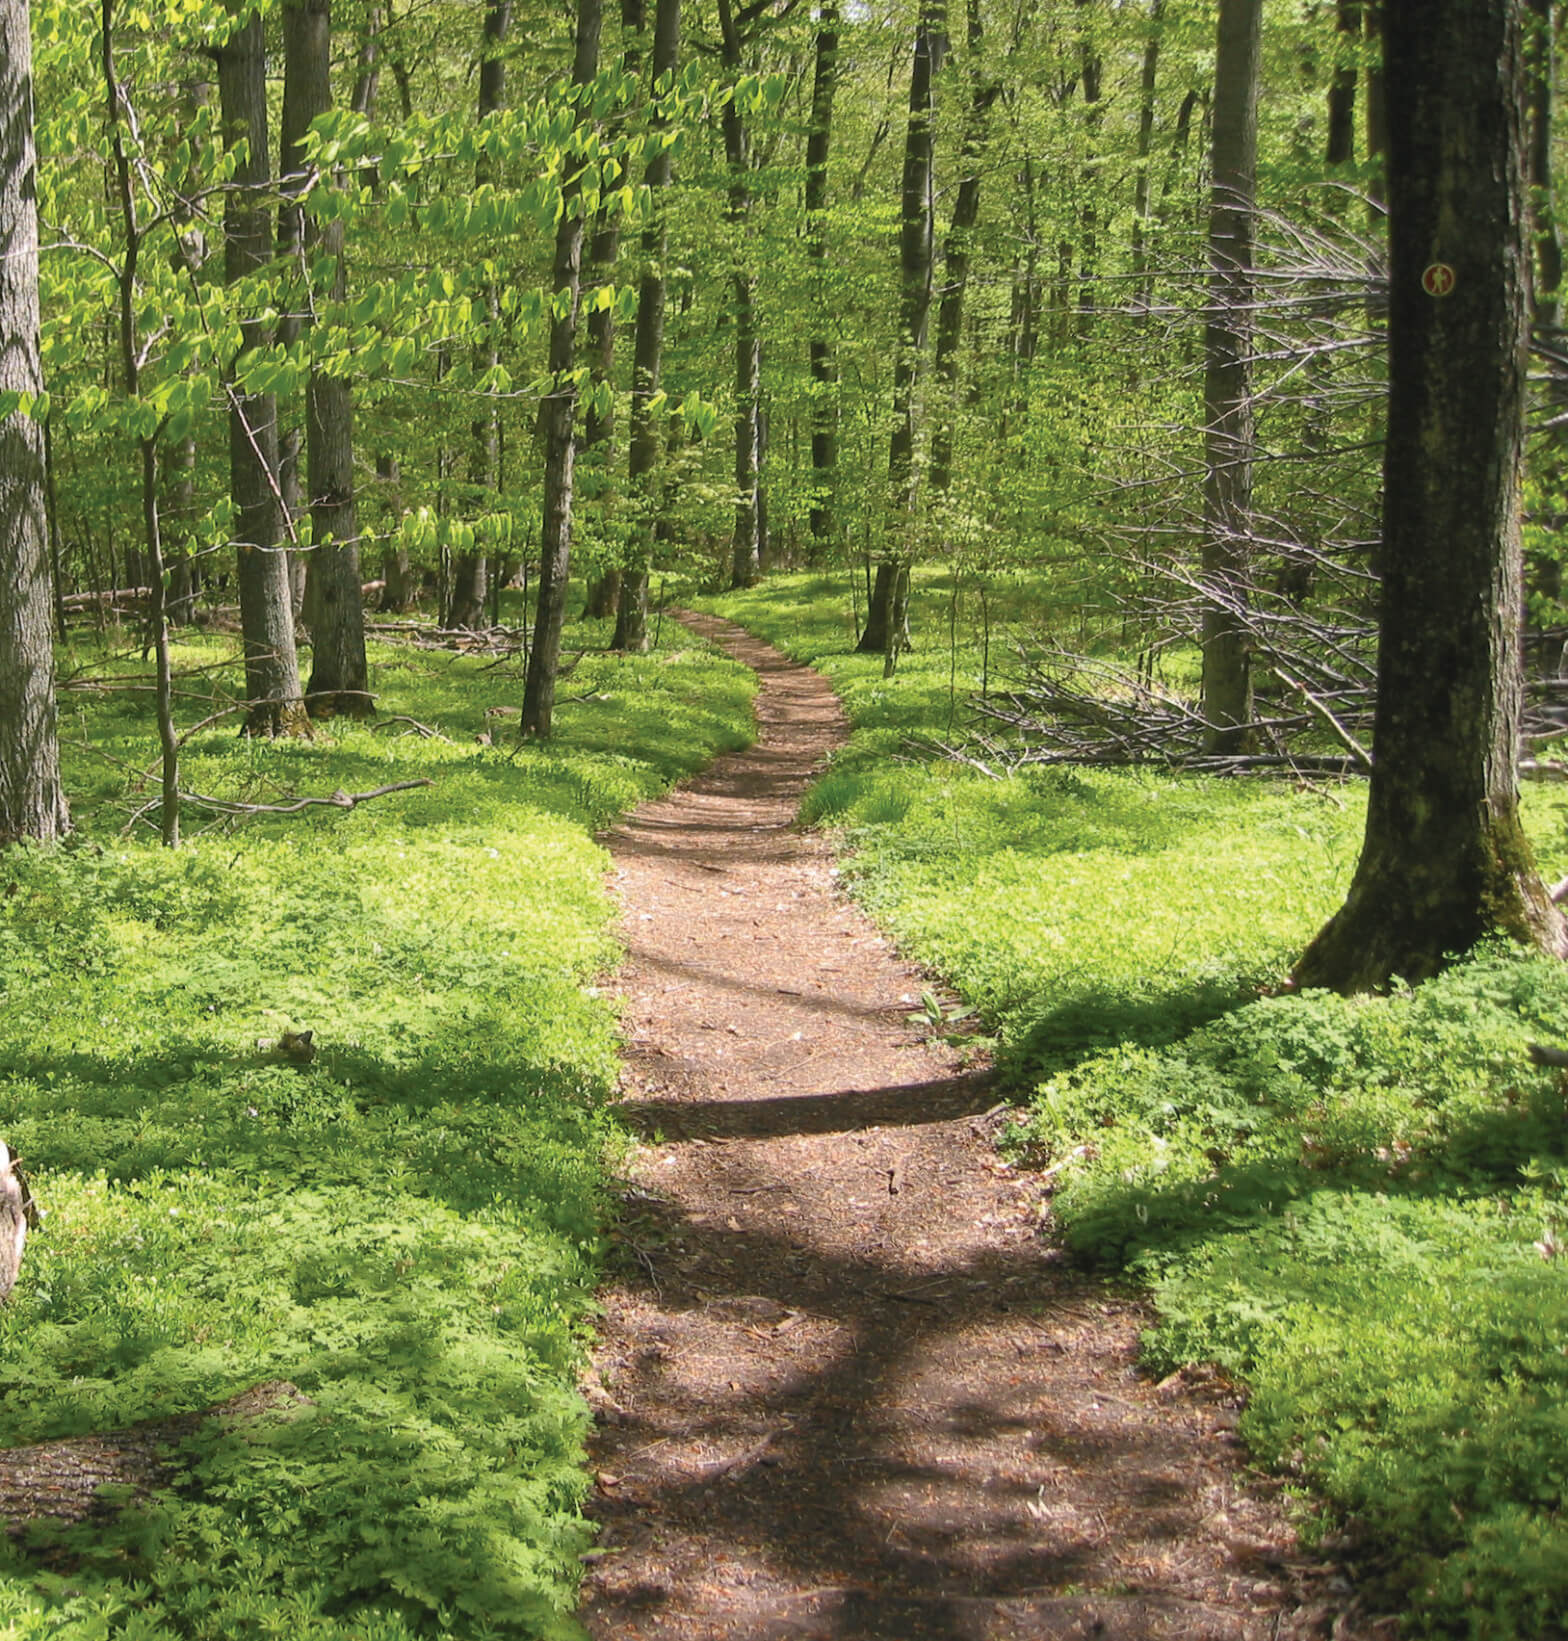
[(407, 1228)]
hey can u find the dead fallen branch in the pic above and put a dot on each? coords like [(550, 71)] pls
[(293, 806)]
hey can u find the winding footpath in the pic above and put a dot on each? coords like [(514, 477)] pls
[(844, 1388)]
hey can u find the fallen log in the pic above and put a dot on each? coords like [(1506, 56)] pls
[(93, 1478)]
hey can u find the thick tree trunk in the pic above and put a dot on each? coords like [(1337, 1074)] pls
[(32, 804), (339, 679), (266, 612), (824, 368), (885, 632), (1227, 395), (631, 616), (557, 415), (1445, 860)]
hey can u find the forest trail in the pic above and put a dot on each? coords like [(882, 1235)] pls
[(844, 1389)]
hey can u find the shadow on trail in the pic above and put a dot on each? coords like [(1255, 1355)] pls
[(999, 1522), (945, 1100)]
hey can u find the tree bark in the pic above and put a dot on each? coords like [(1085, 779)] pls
[(885, 633), (746, 535), (470, 580), (339, 679), (631, 616), (559, 412), (32, 803), (266, 612), (824, 367), (1143, 277), (983, 92), (1445, 860), (1227, 395), (604, 593), (1341, 145)]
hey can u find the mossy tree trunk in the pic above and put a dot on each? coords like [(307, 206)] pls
[(1445, 860)]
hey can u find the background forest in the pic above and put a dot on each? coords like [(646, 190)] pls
[(1024, 367)]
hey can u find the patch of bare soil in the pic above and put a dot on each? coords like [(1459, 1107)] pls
[(844, 1387)]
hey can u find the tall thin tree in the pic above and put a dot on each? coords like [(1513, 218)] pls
[(558, 413), (647, 433), (334, 608), (1227, 388), (824, 368), (266, 612), (886, 616), (470, 571)]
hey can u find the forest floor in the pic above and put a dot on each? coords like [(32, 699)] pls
[(844, 1386)]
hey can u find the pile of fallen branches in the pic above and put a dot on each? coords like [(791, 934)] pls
[(1064, 706), (498, 641)]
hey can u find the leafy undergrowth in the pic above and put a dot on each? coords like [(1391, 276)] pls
[(407, 1227), (1358, 1207)]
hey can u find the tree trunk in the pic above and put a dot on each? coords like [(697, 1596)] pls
[(32, 804), (127, 281), (604, 593), (266, 612), (1545, 569), (746, 536), (1089, 214), (884, 632), (339, 679), (1143, 276), (558, 413), (824, 368), (1341, 146), (470, 581), (399, 582), (1227, 394), (1445, 860), (983, 92), (631, 616)]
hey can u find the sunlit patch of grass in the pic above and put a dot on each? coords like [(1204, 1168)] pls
[(407, 1227), (1360, 1207)]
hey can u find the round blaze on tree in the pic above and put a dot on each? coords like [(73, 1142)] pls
[(1445, 860)]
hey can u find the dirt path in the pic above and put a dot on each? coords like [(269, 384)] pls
[(846, 1391)]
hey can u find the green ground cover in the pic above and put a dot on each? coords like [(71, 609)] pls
[(1360, 1208), (408, 1228)]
